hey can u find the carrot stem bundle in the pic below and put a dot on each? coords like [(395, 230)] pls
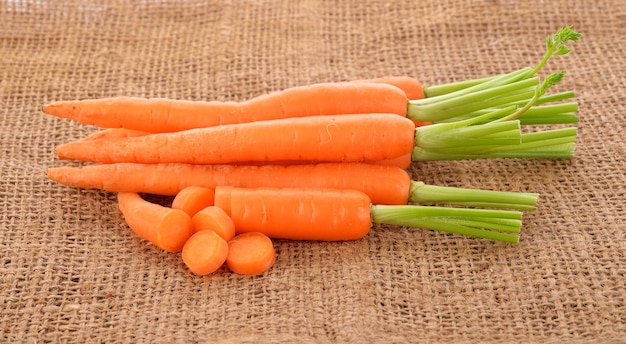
[(398, 95), (383, 184), (335, 215)]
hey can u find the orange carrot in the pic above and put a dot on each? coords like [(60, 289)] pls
[(298, 214), (341, 138), (383, 184), (112, 134), (337, 215), (165, 115), (164, 227), (250, 254), (215, 219), (193, 198), (205, 252)]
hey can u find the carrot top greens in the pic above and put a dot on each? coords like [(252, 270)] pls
[(462, 99)]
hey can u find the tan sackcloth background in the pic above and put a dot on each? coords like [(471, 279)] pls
[(71, 271)]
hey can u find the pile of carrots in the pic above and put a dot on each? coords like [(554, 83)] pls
[(318, 162)]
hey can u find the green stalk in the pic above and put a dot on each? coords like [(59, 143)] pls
[(458, 99), (498, 225), (550, 144), (555, 45), (419, 110), (423, 193), (563, 113)]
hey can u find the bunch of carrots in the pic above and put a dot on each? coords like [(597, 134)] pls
[(318, 162)]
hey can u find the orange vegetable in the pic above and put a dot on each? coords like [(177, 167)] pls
[(298, 214), (164, 227), (341, 138), (383, 184), (215, 219), (250, 254), (193, 198), (337, 215), (205, 252), (166, 115)]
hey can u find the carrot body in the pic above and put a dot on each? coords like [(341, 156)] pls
[(165, 115), (383, 184), (193, 198), (250, 254), (342, 138), (298, 214), (215, 219), (117, 133), (164, 227), (204, 252)]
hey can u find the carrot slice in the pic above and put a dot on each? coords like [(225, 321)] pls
[(215, 219), (192, 199), (205, 252), (250, 253)]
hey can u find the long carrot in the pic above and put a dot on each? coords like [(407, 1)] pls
[(383, 184), (166, 115), (204, 252), (364, 96), (337, 215), (341, 138), (164, 227), (250, 253)]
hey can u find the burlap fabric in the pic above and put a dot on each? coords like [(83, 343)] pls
[(71, 271)]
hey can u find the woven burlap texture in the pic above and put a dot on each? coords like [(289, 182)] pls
[(72, 271)]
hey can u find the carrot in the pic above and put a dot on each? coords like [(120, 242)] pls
[(250, 254), (164, 227), (193, 198), (111, 134), (341, 138), (338, 215), (204, 252), (215, 219), (165, 115), (431, 104), (383, 184)]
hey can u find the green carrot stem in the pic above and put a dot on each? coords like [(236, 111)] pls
[(437, 111), (423, 193), (499, 225)]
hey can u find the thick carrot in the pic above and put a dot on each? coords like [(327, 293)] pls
[(341, 138), (166, 115), (383, 184), (112, 134), (215, 219), (164, 227), (250, 253), (204, 252), (337, 215), (193, 198)]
